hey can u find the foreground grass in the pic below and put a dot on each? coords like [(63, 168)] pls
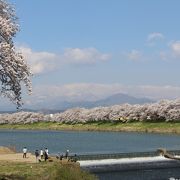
[(43, 171), (158, 127)]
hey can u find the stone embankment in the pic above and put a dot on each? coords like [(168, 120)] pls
[(161, 111)]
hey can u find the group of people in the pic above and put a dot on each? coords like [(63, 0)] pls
[(38, 154), (67, 156), (43, 154), (63, 156)]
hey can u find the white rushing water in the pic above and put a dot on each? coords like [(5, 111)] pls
[(123, 161)]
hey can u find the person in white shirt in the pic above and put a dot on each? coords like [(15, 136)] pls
[(41, 153), (24, 152), (47, 151), (67, 154)]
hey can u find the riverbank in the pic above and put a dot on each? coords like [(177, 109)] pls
[(13, 166), (48, 171), (148, 127)]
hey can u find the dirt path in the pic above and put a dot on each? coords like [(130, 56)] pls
[(17, 157)]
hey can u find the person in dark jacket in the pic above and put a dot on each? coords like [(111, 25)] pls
[(37, 155), (61, 157), (45, 156)]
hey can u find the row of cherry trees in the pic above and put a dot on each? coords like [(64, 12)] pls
[(161, 111)]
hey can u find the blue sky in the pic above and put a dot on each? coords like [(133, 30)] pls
[(90, 49)]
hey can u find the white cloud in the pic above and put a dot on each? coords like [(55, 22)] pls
[(76, 91), (84, 56), (155, 36), (42, 62), (175, 47), (49, 96), (134, 55), (157, 92), (95, 91), (39, 62), (172, 53)]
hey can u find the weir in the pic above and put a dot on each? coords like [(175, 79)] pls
[(83, 157), (127, 161)]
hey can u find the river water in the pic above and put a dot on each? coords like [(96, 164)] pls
[(149, 174), (88, 142), (81, 142)]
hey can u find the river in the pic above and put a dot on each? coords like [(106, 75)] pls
[(85, 142), (88, 142)]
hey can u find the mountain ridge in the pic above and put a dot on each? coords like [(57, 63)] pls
[(115, 99), (61, 106)]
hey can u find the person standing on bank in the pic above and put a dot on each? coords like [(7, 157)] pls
[(37, 155), (67, 154), (24, 152), (47, 151), (45, 155), (41, 153)]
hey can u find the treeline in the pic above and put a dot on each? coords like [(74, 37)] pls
[(164, 110)]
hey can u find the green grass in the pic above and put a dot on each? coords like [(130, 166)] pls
[(159, 127), (43, 171)]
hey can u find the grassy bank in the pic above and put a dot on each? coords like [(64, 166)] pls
[(47, 171), (13, 166), (158, 127)]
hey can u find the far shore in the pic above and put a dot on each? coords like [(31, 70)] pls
[(148, 127)]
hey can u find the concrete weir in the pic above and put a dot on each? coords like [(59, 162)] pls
[(129, 164)]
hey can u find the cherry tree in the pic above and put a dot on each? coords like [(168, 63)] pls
[(166, 110), (13, 69)]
